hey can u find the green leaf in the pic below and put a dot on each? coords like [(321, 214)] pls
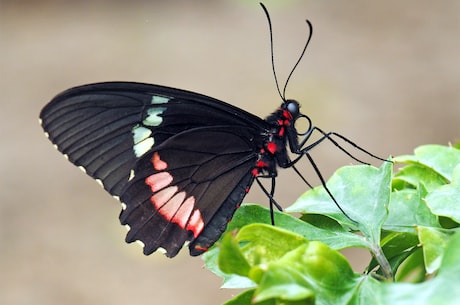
[(232, 260), (233, 281), (407, 210), (313, 271), (362, 191), (396, 247), (445, 201), (244, 298), (265, 243), (442, 159), (443, 289), (416, 174), (434, 242), (334, 236), (412, 269)]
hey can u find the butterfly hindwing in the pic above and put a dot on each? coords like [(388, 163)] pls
[(169, 201)]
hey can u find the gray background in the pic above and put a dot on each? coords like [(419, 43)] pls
[(385, 74)]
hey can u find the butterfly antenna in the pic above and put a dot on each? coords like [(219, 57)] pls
[(271, 50), (300, 57)]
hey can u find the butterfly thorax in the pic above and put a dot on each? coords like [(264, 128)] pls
[(274, 152)]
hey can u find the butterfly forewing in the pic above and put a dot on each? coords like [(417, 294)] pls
[(180, 161)]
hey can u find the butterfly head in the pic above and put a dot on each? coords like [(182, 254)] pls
[(292, 107)]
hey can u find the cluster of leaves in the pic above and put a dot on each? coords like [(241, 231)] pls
[(407, 221)]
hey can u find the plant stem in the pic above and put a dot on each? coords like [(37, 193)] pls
[(383, 262)]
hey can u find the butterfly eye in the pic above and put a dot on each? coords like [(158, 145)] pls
[(293, 107)]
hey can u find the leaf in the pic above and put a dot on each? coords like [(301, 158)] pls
[(445, 201), (233, 281), (416, 174), (441, 159), (362, 191), (334, 236), (396, 247), (407, 210), (434, 242), (232, 260)]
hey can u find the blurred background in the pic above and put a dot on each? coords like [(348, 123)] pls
[(385, 74)]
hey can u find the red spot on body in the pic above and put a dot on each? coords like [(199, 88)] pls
[(287, 114), (281, 132), (261, 164), (272, 147), (255, 172), (158, 164)]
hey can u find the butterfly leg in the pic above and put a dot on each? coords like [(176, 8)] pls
[(270, 196), (323, 183), (329, 136)]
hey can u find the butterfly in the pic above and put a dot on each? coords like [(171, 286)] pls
[(180, 162)]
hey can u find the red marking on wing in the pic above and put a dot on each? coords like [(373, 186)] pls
[(158, 164), (180, 214), (196, 223), (159, 181), (163, 196), (175, 206), (201, 248), (272, 147)]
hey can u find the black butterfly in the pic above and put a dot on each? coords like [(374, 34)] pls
[(180, 162)]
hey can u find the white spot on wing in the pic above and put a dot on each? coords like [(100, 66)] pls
[(153, 116), (127, 227), (131, 175), (157, 99), (142, 140), (116, 197), (65, 155), (123, 206), (140, 243), (80, 167), (99, 181), (140, 133), (141, 148)]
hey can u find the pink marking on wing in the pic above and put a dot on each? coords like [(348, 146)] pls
[(162, 197), (159, 181), (196, 223), (184, 212), (170, 208), (158, 164)]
